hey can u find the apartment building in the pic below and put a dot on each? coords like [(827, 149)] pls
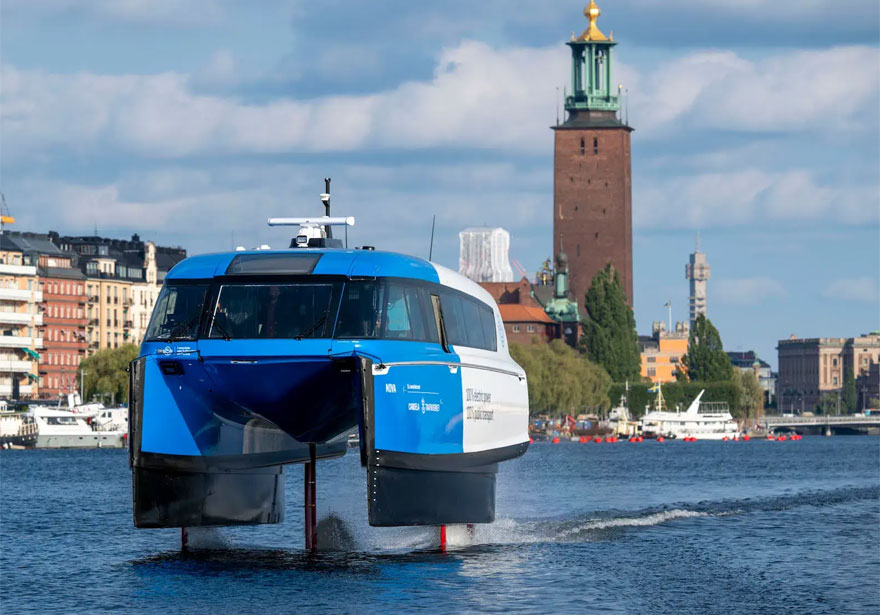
[(20, 322)]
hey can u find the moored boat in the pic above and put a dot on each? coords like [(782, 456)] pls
[(701, 420)]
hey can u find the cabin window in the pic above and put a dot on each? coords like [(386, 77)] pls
[(275, 311), (385, 309), (469, 322), (177, 313)]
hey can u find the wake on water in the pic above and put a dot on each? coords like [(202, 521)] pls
[(335, 533)]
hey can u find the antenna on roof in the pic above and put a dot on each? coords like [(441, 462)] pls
[(325, 198), (431, 249), (316, 232)]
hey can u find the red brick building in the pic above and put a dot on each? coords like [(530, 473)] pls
[(64, 332), (524, 318), (592, 184)]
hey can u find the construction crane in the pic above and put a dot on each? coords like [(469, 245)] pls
[(5, 216)]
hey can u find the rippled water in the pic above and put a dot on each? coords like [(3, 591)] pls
[(708, 527)]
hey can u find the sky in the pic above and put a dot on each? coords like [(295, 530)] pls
[(757, 124)]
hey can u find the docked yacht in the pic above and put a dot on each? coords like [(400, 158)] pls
[(701, 420), (59, 428), (256, 359)]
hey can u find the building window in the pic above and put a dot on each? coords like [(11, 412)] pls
[(652, 371), (582, 147), (834, 362), (835, 381), (652, 359), (595, 145), (530, 328), (516, 328)]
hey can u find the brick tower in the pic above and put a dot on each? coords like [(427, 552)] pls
[(592, 187)]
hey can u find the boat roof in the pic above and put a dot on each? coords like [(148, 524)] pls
[(327, 261), (324, 261)]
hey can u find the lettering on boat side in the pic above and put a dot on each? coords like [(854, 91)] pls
[(477, 410)]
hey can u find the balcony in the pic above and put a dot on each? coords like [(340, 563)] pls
[(21, 318), (94, 298), (16, 294), (18, 269), (25, 389), (93, 322), (14, 366), (127, 324), (20, 341)]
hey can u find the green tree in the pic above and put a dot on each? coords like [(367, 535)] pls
[(706, 360), (105, 373), (561, 381), (850, 395), (827, 404), (751, 395), (610, 337)]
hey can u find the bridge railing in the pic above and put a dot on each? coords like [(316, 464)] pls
[(821, 420)]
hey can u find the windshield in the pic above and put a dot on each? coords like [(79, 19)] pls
[(177, 312), (272, 311)]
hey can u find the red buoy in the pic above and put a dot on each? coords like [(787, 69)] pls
[(583, 439), (725, 439), (531, 440), (597, 440), (781, 439), (555, 440), (660, 439), (746, 438), (640, 439)]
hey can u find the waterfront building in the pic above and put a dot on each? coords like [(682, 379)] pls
[(483, 254), (20, 322), (123, 278), (749, 362), (524, 318), (661, 352), (592, 184), (811, 368), (697, 271), (63, 309)]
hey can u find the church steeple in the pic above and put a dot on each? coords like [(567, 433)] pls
[(591, 86)]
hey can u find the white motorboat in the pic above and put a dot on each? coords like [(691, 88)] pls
[(57, 428), (702, 420)]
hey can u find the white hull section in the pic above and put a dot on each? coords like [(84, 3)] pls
[(94, 440)]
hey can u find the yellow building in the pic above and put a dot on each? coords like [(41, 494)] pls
[(662, 351), (109, 301)]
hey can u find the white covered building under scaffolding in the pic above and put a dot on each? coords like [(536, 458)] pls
[(483, 254)]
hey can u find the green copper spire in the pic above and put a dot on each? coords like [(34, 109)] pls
[(591, 86)]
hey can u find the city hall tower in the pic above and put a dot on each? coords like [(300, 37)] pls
[(592, 187)]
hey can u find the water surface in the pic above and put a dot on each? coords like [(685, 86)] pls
[(705, 527)]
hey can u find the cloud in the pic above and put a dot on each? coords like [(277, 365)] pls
[(787, 92), (479, 97), (745, 291), (209, 202), (749, 195), (864, 289), (164, 12)]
